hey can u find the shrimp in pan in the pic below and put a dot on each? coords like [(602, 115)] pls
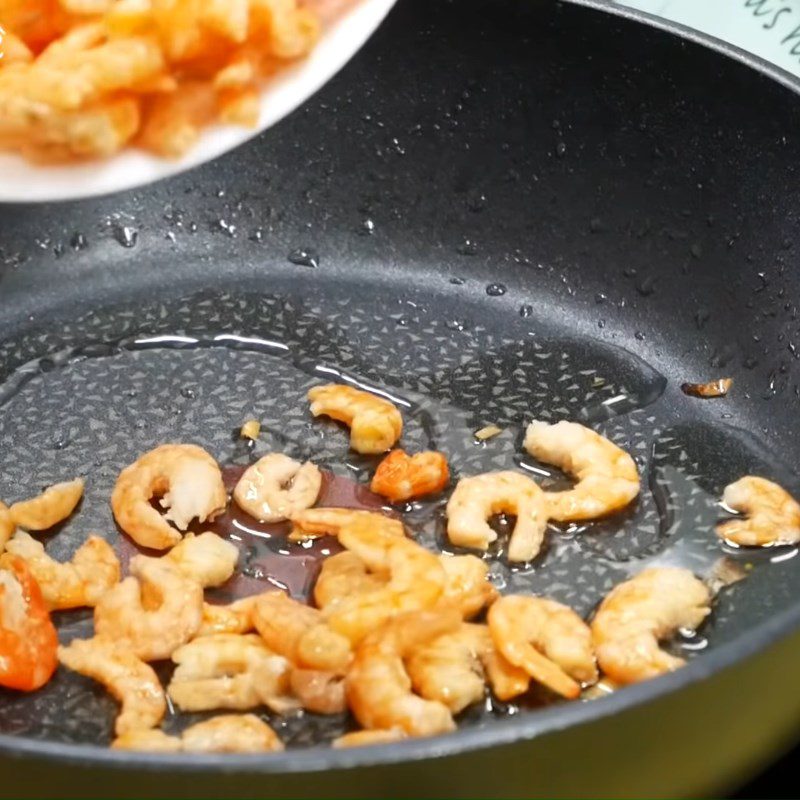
[(375, 423), (236, 617), (189, 483), (276, 487), (331, 521), (49, 508), (153, 613), (772, 514), (546, 639), (208, 559), (476, 499), (319, 655), (126, 677), (229, 671), (378, 687), (82, 581), (226, 733), (607, 479), (452, 668), (637, 614), (402, 477), (415, 579), (7, 525)]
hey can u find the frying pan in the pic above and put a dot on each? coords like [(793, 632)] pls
[(499, 210)]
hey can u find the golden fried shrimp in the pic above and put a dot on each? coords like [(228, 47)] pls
[(415, 579), (49, 508), (343, 575), (208, 559), (93, 570), (319, 691), (476, 499), (132, 682), (154, 615), (330, 521), (148, 741), (365, 738), (375, 423), (466, 584), (299, 633), (229, 671), (236, 617), (379, 690), (607, 479), (637, 614), (402, 477), (231, 733), (226, 733), (277, 487), (189, 483), (546, 639), (7, 525), (773, 516), (449, 669)]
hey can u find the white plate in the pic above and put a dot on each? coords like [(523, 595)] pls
[(342, 37)]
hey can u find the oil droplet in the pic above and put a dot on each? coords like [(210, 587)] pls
[(496, 290), (226, 227), (639, 335), (188, 393), (525, 311), (304, 257), (600, 298), (126, 235), (468, 248), (476, 202), (367, 228), (456, 325), (78, 242), (457, 281), (561, 150)]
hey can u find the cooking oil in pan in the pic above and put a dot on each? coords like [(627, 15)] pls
[(97, 393)]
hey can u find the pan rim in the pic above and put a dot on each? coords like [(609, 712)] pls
[(732, 51), (525, 727)]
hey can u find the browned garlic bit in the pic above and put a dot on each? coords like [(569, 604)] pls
[(717, 388)]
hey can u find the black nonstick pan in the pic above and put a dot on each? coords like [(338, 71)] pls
[(499, 211)]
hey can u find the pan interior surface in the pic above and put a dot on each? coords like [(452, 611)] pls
[(127, 379), (550, 236)]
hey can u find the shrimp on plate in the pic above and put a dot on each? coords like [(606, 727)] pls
[(330, 521), (414, 579), (226, 733), (476, 499), (229, 671), (452, 669), (154, 615), (772, 514), (375, 423), (379, 690), (402, 477), (187, 480), (132, 682), (82, 581), (607, 478), (49, 508), (546, 639), (637, 614), (208, 559), (277, 487)]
